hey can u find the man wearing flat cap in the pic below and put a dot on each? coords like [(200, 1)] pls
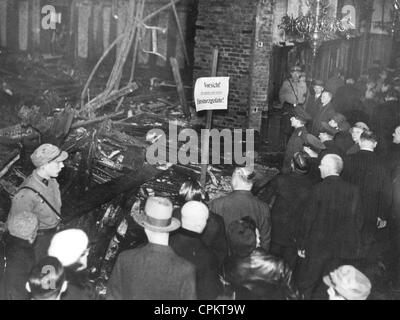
[(153, 271), (291, 94), (40, 194), (297, 140)]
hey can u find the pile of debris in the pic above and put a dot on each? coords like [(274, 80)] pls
[(103, 124)]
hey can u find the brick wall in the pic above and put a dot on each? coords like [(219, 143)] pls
[(231, 25), (260, 66)]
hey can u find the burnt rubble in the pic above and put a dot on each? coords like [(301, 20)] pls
[(106, 172)]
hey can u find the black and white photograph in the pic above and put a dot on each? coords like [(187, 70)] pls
[(217, 151)]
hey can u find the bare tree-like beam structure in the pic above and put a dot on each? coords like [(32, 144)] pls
[(130, 37)]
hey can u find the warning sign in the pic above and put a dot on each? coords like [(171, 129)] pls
[(211, 93)]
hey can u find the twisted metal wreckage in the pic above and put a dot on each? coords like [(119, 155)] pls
[(106, 177)]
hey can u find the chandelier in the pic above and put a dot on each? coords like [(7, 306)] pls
[(392, 26), (316, 26)]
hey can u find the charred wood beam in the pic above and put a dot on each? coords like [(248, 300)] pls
[(103, 99), (96, 120), (179, 85), (180, 32), (105, 54), (100, 194)]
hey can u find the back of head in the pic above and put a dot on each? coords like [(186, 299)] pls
[(47, 279), (194, 216), (300, 163), (264, 275), (243, 178), (242, 237), (70, 247), (190, 190), (332, 164)]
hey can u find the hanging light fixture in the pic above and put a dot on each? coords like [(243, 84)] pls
[(395, 28), (316, 26), (391, 26)]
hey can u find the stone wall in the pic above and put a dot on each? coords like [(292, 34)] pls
[(242, 32)]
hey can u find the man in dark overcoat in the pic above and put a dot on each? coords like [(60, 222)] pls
[(153, 271), (288, 192), (188, 244), (324, 114), (241, 203), (329, 233), (385, 118), (313, 101), (298, 138), (347, 100), (366, 170)]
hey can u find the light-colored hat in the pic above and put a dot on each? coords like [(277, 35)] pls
[(68, 246), (349, 282), (47, 153), (22, 225), (157, 215)]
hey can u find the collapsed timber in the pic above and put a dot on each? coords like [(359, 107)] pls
[(104, 129)]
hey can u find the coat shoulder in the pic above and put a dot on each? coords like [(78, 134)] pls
[(184, 266)]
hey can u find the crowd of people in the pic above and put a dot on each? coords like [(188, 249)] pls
[(335, 202), (324, 228)]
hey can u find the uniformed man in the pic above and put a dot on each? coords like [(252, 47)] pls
[(292, 94), (40, 194)]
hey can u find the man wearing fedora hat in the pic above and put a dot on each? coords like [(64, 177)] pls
[(40, 194), (295, 144), (153, 271)]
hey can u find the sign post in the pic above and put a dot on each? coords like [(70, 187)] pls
[(205, 144)]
